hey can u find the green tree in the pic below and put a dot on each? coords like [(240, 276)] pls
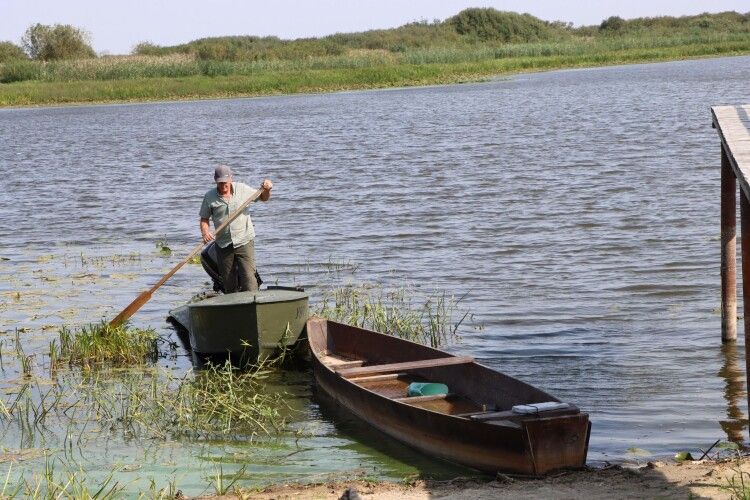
[(61, 41), (487, 24), (11, 52), (147, 49), (612, 24)]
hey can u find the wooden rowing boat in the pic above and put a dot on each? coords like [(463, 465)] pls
[(487, 420)]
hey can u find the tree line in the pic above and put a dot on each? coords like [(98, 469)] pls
[(471, 26)]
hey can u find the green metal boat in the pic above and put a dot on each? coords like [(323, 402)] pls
[(246, 326)]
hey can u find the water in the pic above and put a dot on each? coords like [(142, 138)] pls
[(578, 211)]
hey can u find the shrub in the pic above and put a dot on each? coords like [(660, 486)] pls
[(493, 25), (612, 23), (146, 49), (11, 52), (61, 41)]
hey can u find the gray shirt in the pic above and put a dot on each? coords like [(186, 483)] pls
[(240, 231)]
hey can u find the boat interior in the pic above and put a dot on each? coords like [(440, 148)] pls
[(387, 366)]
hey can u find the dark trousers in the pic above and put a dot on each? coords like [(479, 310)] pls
[(237, 267)]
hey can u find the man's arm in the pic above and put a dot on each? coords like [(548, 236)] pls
[(206, 233)]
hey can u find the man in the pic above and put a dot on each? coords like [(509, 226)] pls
[(235, 244)]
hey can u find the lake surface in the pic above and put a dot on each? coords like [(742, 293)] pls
[(577, 212)]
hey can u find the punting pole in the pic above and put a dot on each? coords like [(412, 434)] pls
[(729, 252)]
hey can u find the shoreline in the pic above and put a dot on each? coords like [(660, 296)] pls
[(314, 82), (721, 479)]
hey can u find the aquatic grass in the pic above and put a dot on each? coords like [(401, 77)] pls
[(217, 402), (434, 322), (68, 483), (221, 487), (118, 345)]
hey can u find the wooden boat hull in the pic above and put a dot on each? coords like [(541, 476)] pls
[(246, 326), (530, 445)]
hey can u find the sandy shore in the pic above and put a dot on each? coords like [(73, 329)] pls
[(698, 479)]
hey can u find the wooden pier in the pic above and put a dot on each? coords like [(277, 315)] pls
[(733, 125)]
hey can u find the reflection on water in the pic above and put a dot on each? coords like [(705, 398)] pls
[(735, 393)]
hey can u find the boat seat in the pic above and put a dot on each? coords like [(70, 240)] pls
[(377, 378), (408, 365), (335, 361), (420, 399)]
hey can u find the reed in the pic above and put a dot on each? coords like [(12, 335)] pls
[(95, 344), (433, 322), (53, 483), (219, 402)]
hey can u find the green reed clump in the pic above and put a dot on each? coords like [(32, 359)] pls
[(216, 402), (103, 343), (433, 322)]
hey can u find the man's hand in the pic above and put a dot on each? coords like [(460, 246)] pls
[(206, 233), (266, 186)]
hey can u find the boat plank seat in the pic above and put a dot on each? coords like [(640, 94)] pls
[(335, 361), (408, 365), (421, 399), (377, 378)]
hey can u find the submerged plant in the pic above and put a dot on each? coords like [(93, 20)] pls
[(101, 343)]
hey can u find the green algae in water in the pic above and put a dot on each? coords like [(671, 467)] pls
[(163, 248)]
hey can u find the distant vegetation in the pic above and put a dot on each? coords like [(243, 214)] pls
[(61, 41), (474, 44), (466, 30), (11, 52)]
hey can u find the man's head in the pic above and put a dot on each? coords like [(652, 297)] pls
[(222, 173), (223, 179)]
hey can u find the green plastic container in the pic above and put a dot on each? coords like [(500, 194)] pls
[(426, 389)]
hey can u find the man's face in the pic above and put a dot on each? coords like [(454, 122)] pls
[(224, 188)]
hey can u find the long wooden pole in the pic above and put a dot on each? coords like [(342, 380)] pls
[(146, 296), (729, 250)]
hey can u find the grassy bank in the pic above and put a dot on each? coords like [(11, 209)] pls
[(181, 76)]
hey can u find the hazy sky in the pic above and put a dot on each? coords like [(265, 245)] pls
[(117, 25)]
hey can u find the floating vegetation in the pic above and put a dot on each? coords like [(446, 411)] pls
[(118, 345), (432, 323), (163, 248), (113, 260)]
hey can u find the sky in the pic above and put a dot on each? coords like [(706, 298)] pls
[(116, 26)]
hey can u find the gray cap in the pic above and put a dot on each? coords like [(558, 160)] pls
[(222, 173)]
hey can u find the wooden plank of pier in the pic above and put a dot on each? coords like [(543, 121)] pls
[(733, 125)]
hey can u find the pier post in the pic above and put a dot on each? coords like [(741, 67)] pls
[(729, 250), (745, 238)]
